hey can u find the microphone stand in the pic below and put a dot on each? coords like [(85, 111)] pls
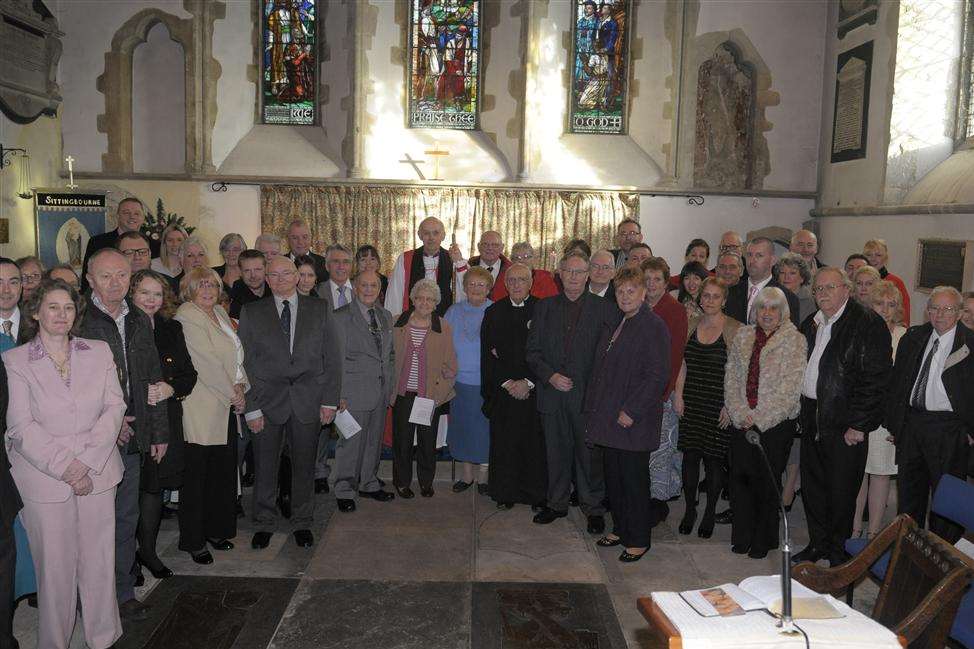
[(785, 622)]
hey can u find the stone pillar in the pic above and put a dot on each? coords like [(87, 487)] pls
[(360, 88), (529, 64)]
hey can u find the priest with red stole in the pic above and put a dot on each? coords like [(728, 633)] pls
[(491, 258), (429, 261)]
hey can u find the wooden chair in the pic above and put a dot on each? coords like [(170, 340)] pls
[(921, 590)]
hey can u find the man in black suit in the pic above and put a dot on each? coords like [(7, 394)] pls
[(292, 359), (601, 272), (930, 412), (560, 352), (11, 333), (628, 234), (843, 392), (131, 217), (760, 260), (251, 285), (299, 242), (10, 504)]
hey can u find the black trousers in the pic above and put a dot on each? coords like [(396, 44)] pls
[(8, 563), (626, 483), (931, 445), (208, 497), (831, 473), (570, 459), (402, 444), (754, 497)]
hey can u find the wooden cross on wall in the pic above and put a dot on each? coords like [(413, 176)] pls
[(437, 153)]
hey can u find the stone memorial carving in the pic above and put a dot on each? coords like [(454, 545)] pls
[(30, 48), (851, 113), (723, 155), (944, 262)]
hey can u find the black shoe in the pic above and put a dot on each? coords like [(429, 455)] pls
[(740, 549), (321, 486), (689, 518), (261, 540), (381, 496), (202, 557), (757, 554), (537, 508), (405, 492), (596, 524), (133, 610), (426, 492), (304, 538), (223, 545), (158, 570), (460, 486), (284, 505), (548, 515), (482, 489), (606, 542), (628, 557), (346, 505), (810, 553), (706, 529), (725, 517), (247, 479), (505, 505), (573, 499)]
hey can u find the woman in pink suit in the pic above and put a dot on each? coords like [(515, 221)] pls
[(66, 409)]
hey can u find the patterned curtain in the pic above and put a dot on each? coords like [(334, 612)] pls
[(387, 216)]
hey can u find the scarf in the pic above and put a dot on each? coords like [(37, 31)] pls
[(754, 367)]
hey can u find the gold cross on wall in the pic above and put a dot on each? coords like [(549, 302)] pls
[(437, 153)]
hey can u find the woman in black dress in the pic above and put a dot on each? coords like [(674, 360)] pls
[(704, 432), (151, 293)]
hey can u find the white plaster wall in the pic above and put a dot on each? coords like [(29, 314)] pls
[(236, 93), (89, 26), (901, 234), (502, 61), (790, 36), (335, 74), (669, 223), (650, 126), (158, 105)]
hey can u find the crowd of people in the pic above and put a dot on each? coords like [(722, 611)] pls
[(606, 386)]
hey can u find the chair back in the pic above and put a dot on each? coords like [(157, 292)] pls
[(954, 500), (923, 586)]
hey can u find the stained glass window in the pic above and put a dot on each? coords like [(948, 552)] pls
[(289, 61), (600, 66), (444, 63)]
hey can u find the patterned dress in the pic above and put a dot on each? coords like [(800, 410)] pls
[(703, 397)]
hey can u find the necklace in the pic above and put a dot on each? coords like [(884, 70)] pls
[(63, 367)]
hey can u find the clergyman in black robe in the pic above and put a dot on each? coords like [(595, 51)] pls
[(518, 467)]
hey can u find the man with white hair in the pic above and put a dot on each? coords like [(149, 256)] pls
[(299, 243), (430, 261), (930, 413), (805, 243), (491, 258), (269, 244)]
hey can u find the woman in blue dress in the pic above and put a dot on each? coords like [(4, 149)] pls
[(469, 430)]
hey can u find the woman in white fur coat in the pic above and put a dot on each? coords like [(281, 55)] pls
[(762, 387)]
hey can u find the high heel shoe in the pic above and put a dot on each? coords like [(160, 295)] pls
[(629, 557), (689, 518), (161, 572)]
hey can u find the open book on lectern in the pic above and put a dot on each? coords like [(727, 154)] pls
[(756, 594)]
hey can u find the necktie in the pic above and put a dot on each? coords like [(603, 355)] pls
[(374, 328), (750, 296), (342, 300), (8, 327), (919, 399), (286, 322)]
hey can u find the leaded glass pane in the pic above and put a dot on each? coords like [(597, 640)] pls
[(444, 64), (289, 61), (600, 66)]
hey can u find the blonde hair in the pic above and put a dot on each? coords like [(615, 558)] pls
[(885, 290), (163, 251), (482, 273), (190, 283)]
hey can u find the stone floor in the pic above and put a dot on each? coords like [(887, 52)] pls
[(449, 572)]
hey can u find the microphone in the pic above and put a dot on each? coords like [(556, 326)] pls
[(786, 623)]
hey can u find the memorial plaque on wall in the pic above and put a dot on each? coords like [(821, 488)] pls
[(851, 114), (29, 52), (944, 262)]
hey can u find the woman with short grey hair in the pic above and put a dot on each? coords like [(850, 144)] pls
[(762, 386), (231, 245), (794, 275)]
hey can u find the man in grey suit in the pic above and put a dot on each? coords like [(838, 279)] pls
[(560, 351), (365, 336), (337, 292), (292, 360)]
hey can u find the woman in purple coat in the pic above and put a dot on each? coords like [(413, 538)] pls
[(624, 410)]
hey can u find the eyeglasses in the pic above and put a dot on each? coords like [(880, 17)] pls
[(136, 252), (728, 247), (822, 288), (946, 310), (629, 235), (207, 284), (603, 267), (578, 272), (31, 277), (522, 257)]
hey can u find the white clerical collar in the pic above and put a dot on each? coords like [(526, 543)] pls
[(517, 305), (599, 293), (821, 320)]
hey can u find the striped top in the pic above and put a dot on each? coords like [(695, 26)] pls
[(703, 397), (417, 358)]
